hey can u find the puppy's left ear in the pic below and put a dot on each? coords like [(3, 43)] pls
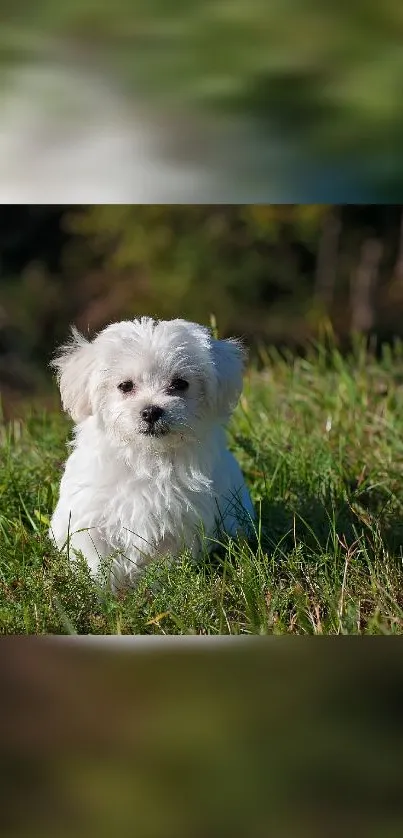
[(75, 364), (229, 357)]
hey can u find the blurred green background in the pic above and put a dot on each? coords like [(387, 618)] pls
[(273, 274), (318, 83)]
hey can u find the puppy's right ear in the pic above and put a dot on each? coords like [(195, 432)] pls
[(74, 364)]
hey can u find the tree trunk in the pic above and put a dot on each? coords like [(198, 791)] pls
[(398, 271), (326, 265), (363, 284)]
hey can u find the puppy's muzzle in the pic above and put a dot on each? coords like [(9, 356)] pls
[(151, 414), (153, 420)]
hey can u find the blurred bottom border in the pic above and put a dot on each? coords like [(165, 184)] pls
[(201, 736)]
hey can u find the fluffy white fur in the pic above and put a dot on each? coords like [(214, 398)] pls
[(136, 492)]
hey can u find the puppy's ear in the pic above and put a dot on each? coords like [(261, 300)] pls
[(74, 364), (229, 359)]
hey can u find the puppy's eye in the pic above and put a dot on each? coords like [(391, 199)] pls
[(178, 385), (126, 386)]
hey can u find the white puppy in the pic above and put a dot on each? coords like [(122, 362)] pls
[(149, 473)]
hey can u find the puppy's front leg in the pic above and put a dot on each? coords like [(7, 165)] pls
[(89, 543)]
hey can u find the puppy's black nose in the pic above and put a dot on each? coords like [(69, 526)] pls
[(151, 414)]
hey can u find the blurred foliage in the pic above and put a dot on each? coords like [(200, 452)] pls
[(273, 273), (231, 261), (326, 77)]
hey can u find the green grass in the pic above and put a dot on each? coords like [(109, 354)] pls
[(320, 440)]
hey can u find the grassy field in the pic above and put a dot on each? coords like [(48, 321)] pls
[(320, 440)]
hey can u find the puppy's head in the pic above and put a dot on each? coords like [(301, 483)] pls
[(161, 381)]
